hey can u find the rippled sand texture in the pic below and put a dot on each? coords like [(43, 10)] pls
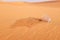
[(15, 23)]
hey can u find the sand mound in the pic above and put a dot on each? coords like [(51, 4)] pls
[(30, 21)]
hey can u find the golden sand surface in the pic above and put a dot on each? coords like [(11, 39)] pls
[(18, 13)]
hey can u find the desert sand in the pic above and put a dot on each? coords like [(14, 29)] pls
[(11, 12)]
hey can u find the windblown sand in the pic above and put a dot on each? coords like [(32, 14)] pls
[(15, 23)]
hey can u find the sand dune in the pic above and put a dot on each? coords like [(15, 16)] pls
[(11, 12)]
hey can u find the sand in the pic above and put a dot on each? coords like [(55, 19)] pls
[(11, 12)]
